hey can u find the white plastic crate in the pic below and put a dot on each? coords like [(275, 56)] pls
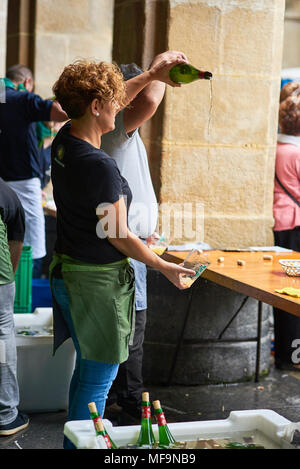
[(43, 379), (267, 422)]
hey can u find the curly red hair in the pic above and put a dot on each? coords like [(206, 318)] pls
[(83, 81), (289, 115), (288, 89)]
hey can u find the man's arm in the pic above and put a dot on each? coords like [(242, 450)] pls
[(15, 248), (145, 104), (57, 114), (113, 220), (14, 218)]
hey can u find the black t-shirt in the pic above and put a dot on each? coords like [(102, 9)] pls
[(12, 213), (84, 177), (19, 155)]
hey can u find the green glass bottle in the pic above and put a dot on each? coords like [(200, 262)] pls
[(100, 431), (166, 439), (186, 73), (146, 437), (95, 416)]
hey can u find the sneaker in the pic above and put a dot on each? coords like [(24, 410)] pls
[(21, 422)]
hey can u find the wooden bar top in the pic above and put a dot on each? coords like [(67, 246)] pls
[(258, 278)]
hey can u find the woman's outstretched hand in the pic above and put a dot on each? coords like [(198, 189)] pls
[(173, 272)]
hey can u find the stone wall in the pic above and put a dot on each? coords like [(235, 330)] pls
[(78, 29), (230, 165)]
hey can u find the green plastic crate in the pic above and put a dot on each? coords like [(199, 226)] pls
[(23, 281)]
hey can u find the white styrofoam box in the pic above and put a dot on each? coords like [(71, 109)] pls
[(82, 433), (43, 379), (40, 317)]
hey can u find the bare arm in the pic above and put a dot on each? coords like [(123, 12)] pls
[(57, 114), (130, 245), (15, 248), (145, 104), (158, 71)]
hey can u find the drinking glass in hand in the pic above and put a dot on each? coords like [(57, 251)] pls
[(196, 261)]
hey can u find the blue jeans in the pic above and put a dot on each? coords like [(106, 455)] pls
[(91, 380), (37, 267)]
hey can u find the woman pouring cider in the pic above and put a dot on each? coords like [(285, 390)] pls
[(92, 283)]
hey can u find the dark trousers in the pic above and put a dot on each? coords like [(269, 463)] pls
[(286, 325), (128, 386), (37, 267)]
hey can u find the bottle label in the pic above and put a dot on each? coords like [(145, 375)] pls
[(107, 441), (146, 412), (96, 419), (161, 419)]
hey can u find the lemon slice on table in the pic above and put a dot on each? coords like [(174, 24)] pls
[(290, 291)]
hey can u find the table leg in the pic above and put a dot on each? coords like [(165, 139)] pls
[(259, 317), (180, 340), (233, 317)]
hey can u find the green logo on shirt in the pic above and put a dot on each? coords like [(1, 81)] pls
[(60, 155)]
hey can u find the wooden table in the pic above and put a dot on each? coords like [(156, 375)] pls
[(258, 278)]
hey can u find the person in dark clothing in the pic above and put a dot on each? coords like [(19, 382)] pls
[(12, 228), (20, 159)]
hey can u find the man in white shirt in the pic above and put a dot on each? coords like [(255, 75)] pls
[(125, 145)]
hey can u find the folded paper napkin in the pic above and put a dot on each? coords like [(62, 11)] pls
[(290, 291)]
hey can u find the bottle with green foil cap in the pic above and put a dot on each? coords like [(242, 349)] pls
[(146, 437), (166, 439), (95, 416), (186, 73)]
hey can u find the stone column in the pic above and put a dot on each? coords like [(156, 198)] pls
[(77, 29), (3, 25), (140, 33), (214, 146), (20, 32)]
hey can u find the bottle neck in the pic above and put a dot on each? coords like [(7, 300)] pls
[(204, 75), (95, 416), (160, 417), (146, 410)]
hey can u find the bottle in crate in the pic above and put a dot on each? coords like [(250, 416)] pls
[(99, 427), (166, 439), (146, 437), (103, 440)]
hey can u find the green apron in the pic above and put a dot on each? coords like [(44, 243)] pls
[(102, 306)]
